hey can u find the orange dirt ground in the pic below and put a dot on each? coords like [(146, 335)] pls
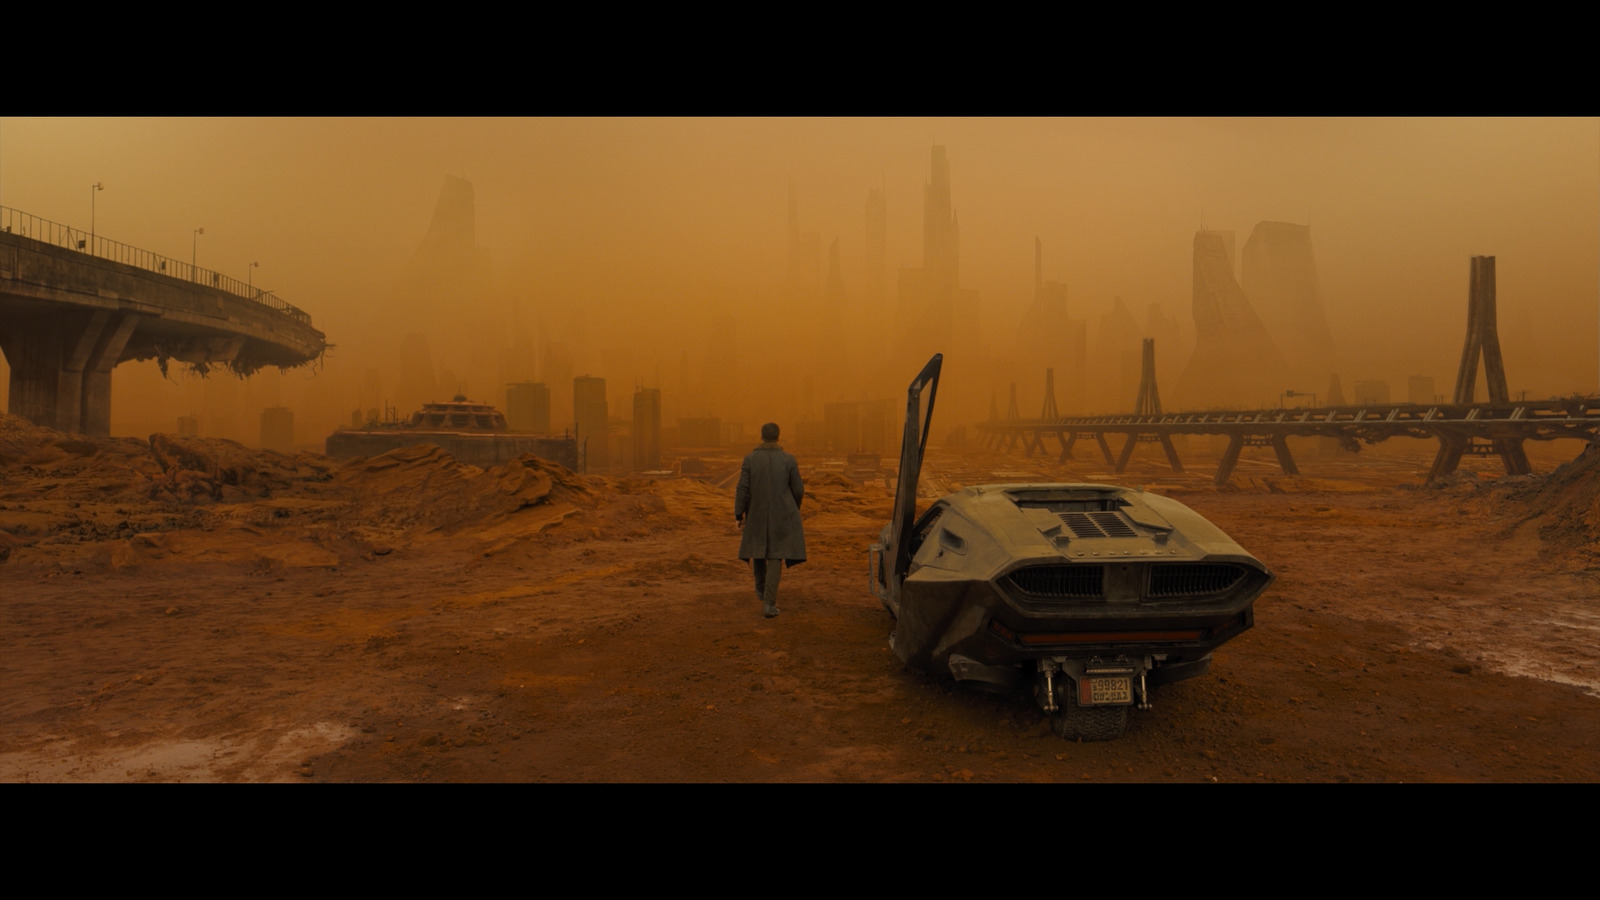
[(190, 610)]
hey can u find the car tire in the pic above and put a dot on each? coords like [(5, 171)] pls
[(1087, 723)]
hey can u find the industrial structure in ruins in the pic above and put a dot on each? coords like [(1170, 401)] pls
[(1462, 426), (73, 305), (474, 433)]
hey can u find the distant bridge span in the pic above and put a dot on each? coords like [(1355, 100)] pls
[(1463, 427), (1481, 429), (73, 306)]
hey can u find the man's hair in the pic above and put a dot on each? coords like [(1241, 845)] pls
[(769, 431)]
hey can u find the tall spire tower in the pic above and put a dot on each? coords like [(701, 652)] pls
[(935, 314)]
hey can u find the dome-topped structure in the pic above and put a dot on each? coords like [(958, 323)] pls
[(472, 432), (459, 414)]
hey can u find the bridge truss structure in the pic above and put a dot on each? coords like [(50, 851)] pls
[(1462, 427)]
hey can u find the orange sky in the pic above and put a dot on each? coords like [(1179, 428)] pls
[(627, 237)]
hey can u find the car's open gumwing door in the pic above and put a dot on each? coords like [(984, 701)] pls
[(913, 442)]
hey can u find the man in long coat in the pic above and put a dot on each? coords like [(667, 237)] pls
[(767, 505)]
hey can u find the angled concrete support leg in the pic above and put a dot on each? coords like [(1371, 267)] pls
[(69, 391), (1127, 452), (1066, 446), (1230, 458), (1280, 446), (1451, 447), (1512, 454), (1105, 448), (1172, 453), (97, 376)]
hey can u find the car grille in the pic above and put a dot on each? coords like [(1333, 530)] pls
[(1175, 580), (1060, 582), (1165, 581)]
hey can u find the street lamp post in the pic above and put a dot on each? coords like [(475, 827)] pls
[(194, 254), (93, 189), (250, 277), (1294, 393)]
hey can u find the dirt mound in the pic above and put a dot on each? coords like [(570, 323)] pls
[(831, 479), (199, 470), (63, 495), (21, 440), (38, 463), (1566, 504), (423, 486)]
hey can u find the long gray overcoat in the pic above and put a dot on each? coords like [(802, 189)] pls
[(769, 496)]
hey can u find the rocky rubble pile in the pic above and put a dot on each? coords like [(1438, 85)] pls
[(1566, 504), (213, 470), (424, 486), (58, 491)]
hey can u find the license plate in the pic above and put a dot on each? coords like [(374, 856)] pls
[(1104, 690)]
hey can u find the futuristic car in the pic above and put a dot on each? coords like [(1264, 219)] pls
[(1094, 593)]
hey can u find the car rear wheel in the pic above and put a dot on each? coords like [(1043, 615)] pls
[(1087, 723)]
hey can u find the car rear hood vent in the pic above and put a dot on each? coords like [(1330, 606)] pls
[(1106, 523)]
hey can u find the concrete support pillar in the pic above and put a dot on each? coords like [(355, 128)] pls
[(95, 417), (1166, 444), (1127, 452), (1172, 453), (1230, 458), (1280, 446), (61, 368), (1512, 454), (1099, 437), (33, 350), (1037, 443), (96, 404), (69, 390), (1451, 446)]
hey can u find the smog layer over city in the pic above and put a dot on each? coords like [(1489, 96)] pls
[(411, 449)]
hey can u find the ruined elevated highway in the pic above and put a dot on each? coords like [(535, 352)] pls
[(73, 306)]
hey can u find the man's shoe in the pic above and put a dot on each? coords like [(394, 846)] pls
[(769, 609)]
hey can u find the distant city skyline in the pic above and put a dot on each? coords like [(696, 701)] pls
[(625, 248)]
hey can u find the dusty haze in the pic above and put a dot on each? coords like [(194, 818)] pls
[(658, 252)]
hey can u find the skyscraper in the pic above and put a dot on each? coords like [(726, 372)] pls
[(934, 313), (528, 407), (646, 429), (556, 369), (1235, 362), (1117, 359), (940, 234), (277, 429), (832, 329), (805, 256), (448, 270), (877, 280), (418, 384), (593, 421), (1278, 272), (1049, 338)]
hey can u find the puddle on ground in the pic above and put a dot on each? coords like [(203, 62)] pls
[(225, 759)]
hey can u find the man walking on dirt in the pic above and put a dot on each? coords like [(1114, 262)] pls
[(767, 506)]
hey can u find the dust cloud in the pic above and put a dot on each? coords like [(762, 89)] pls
[(759, 269)]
